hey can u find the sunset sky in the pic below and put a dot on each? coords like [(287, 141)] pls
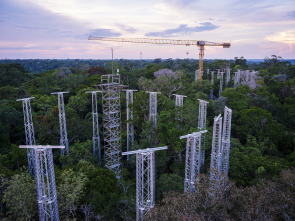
[(60, 28)]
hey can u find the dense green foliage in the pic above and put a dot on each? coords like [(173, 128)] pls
[(262, 144)]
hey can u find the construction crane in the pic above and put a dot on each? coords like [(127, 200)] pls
[(200, 44)]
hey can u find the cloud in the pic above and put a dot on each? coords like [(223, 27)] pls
[(104, 33), (287, 37), (183, 30), (126, 28), (291, 14)]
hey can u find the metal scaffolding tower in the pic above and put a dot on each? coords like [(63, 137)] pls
[(145, 180), (111, 88), (192, 159), (130, 127), (237, 79), (179, 100), (208, 71), (96, 137), (221, 82), (29, 131), (218, 73), (226, 140), (153, 107), (62, 123), (45, 181), (215, 166)]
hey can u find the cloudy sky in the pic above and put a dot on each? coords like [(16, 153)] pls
[(60, 28)]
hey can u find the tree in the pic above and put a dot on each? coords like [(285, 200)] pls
[(70, 191), (20, 197)]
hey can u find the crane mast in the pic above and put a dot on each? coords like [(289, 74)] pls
[(198, 43)]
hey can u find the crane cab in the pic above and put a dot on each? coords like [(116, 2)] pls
[(201, 43)]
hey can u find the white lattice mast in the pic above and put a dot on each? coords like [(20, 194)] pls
[(130, 127), (218, 73), (237, 79), (145, 180), (111, 88), (226, 131), (215, 166), (208, 71), (62, 123), (192, 159), (29, 131), (179, 100), (212, 77), (227, 76), (95, 125), (221, 82), (202, 114), (153, 107), (196, 75), (45, 181), (202, 122)]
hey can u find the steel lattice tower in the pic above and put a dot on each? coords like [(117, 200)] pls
[(221, 82), (202, 122), (111, 88), (196, 75), (62, 122), (145, 180), (218, 73), (215, 166), (45, 181), (226, 140), (29, 131), (179, 100), (237, 79), (202, 114), (227, 76), (96, 137), (130, 127), (212, 77), (208, 71), (153, 107), (192, 159)]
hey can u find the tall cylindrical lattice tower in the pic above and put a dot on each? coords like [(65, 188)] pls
[(215, 166), (193, 159), (95, 125), (130, 127), (226, 140), (29, 131), (62, 123), (45, 181), (145, 180)]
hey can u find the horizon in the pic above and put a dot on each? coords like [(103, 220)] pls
[(42, 29)]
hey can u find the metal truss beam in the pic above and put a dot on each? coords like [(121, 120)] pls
[(153, 107), (45, 181), (62, 123), (215, 166), (145, 180), (192, 159), (95, 125), (29, 132)]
